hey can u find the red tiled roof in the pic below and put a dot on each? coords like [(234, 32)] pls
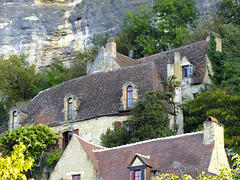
[(186, 149)]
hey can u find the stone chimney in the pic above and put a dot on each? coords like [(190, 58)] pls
[(213, 131), (111, 46), (177, 66), (214, 134)]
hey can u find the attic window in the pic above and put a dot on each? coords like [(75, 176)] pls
[(136, 174), (14, 119), (129, 97), (187, 71), (70, 108)]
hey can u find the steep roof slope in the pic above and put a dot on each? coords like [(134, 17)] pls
[(188, 150), (195, 53), (100, 94)]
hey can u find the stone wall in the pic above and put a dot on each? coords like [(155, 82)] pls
[(74, 161), (91, 129), (46, 31)]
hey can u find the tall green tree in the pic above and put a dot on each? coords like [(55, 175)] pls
[(220, 105), (17, 78), (229, 10), (161, 27)]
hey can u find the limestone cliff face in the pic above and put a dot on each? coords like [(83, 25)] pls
[(45, 30)]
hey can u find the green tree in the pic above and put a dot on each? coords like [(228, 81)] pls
[(217, 59), (17, 78), (229, 10), (220, 105), (161, 27), (3, 114), (37, 139), (13, 166)]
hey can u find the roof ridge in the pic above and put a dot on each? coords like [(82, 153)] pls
[(89, 142), (171, 50), (149, 140)]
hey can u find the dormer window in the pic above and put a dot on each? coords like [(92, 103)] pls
[(70, 108), (14, 119), (187, 71), (139, 167), (129, 97), (71, 105)]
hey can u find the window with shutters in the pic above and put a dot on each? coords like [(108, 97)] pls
[(137, 174), (187, 71)]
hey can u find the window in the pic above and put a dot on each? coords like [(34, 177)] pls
[(129, 97), (76, 177), (70, 108), (14, 119), (137, 174), (67, 137), (187, 71)]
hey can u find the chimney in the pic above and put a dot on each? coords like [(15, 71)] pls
[(111, 46), (170, 70), (213, 131), (177, 66)]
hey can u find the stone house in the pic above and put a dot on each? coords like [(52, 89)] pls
[(191, 154), (88, 105)]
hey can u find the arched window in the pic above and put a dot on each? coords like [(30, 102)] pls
[(14, 120), (129, 97), (70, 108)]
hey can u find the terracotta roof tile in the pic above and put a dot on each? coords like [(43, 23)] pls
[(188, 149)]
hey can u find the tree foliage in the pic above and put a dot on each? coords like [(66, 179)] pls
[(17, 78), (229, 10), (14, 166), (149, 118), (36, 139), (220, 105), (154, 29)]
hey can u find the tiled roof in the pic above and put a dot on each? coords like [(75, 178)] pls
[(195, 53), (124, 61), (186, 149), (100, 94)]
